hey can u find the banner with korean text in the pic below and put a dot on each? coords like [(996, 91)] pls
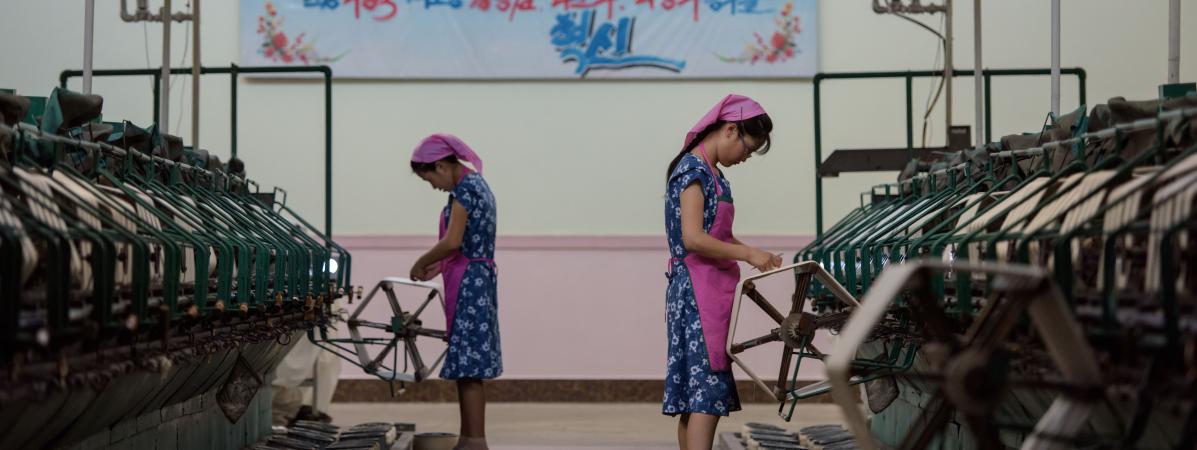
[(535, 39)]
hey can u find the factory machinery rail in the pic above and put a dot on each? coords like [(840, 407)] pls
[(1037, 292), (140, 277)]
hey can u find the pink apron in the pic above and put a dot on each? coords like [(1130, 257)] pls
[(715, 280), (453, 270)]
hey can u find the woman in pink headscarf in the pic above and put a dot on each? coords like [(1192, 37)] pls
[(464, 257), (704, 268)]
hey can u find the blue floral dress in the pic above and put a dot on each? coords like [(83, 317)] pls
[(474, 337), (690, 385)]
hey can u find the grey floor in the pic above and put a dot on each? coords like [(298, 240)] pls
[(570, 426)]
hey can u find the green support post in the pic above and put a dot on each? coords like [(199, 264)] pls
[(818, 161), (1081, 76), (328, 190), (988, 107), (233, 110), (909, 118), (157, 94)]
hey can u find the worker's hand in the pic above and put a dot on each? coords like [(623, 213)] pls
[(763, 260), (432, 271), (417, 272)]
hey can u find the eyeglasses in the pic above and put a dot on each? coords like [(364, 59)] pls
[(748, 149)]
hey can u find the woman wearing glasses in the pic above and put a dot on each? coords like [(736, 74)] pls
[(703, 270)]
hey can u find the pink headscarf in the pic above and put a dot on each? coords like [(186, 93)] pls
[(438, 146), (732, 108)]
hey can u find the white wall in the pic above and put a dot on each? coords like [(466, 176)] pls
[(588, 157)]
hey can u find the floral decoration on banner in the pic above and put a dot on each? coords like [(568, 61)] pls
[(780, 47), (278, 47)]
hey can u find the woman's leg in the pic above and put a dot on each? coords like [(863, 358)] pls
[(471, 398), (461, 415), (682, 421), (700, 431)]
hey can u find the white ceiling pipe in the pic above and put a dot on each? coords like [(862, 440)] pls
[(142, 13), (977, 79), (947, 72), (915, 7), (89, 32), (1056, 57), (195, 73), (1174, 42), (164, 83)]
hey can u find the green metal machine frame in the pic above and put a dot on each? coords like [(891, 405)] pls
[(234, 73), (909, 76)]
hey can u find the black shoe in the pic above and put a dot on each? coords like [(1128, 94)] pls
[(307, 413)]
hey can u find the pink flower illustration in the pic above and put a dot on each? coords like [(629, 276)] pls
[(781, 45), (278, 48)]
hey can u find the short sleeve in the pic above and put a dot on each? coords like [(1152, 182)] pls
[(466, 193), (687, 172)]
